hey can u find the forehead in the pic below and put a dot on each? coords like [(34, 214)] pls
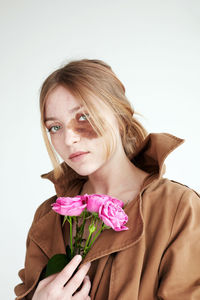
[(61, 99), (61, 102)]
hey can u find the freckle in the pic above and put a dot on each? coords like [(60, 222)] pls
[(83, 128)]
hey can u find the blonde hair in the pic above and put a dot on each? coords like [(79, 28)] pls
[(90, 81)]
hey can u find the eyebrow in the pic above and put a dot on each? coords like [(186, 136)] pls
[(71, 111)]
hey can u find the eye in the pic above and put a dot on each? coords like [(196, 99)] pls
[(84, 116), (54, 129)]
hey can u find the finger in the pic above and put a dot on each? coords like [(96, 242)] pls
[(83, 293), (44, 282), (77, 279), (67, 272)]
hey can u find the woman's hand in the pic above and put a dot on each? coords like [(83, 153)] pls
[(54, 287)]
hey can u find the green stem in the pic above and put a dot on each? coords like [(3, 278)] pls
[(85, 249), (89, 237), (96, 235), (76, 237), (79, 231), (82, 226), (71, 243)]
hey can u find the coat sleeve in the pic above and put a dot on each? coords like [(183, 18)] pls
[(30, 276), (35, 260), (179, 272)]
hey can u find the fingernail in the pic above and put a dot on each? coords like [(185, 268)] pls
[(78, 258)]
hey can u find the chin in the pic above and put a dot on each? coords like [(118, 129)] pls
[(85, 171)]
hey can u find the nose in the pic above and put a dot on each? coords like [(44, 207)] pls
[(71, 137)]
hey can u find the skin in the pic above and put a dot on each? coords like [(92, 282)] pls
[(71, 132), (82, 127), (55, 287)]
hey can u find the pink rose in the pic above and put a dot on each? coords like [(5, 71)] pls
[(94, 201), (69, 206), (113, 215)]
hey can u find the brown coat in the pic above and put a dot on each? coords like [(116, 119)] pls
[(157, 258)]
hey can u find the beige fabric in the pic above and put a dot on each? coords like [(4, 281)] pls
[(157, 258)]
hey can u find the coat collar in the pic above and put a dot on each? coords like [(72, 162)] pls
[(150, 157)]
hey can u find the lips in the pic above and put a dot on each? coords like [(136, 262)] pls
[(77, 154)]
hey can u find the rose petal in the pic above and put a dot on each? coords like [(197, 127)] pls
[(113, 215)]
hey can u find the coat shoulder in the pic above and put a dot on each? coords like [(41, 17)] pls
[(167, 187), (165, 194), (184, 187)]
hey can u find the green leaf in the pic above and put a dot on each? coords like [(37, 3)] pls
[(56, 264), (64, 220)]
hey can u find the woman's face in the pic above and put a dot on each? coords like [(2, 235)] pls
[(70, 132)]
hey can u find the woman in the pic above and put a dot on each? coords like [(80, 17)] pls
[(105, 150)]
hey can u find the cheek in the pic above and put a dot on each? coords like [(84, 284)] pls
[(84, 129), (56, 142)]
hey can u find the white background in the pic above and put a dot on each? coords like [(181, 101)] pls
[(152, 46)]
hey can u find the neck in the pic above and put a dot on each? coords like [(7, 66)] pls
[(117, 176)]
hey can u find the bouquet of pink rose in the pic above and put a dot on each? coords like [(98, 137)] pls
[(101, 209)]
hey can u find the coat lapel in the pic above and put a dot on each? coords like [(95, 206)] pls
[(47, 232), (111, 241)]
